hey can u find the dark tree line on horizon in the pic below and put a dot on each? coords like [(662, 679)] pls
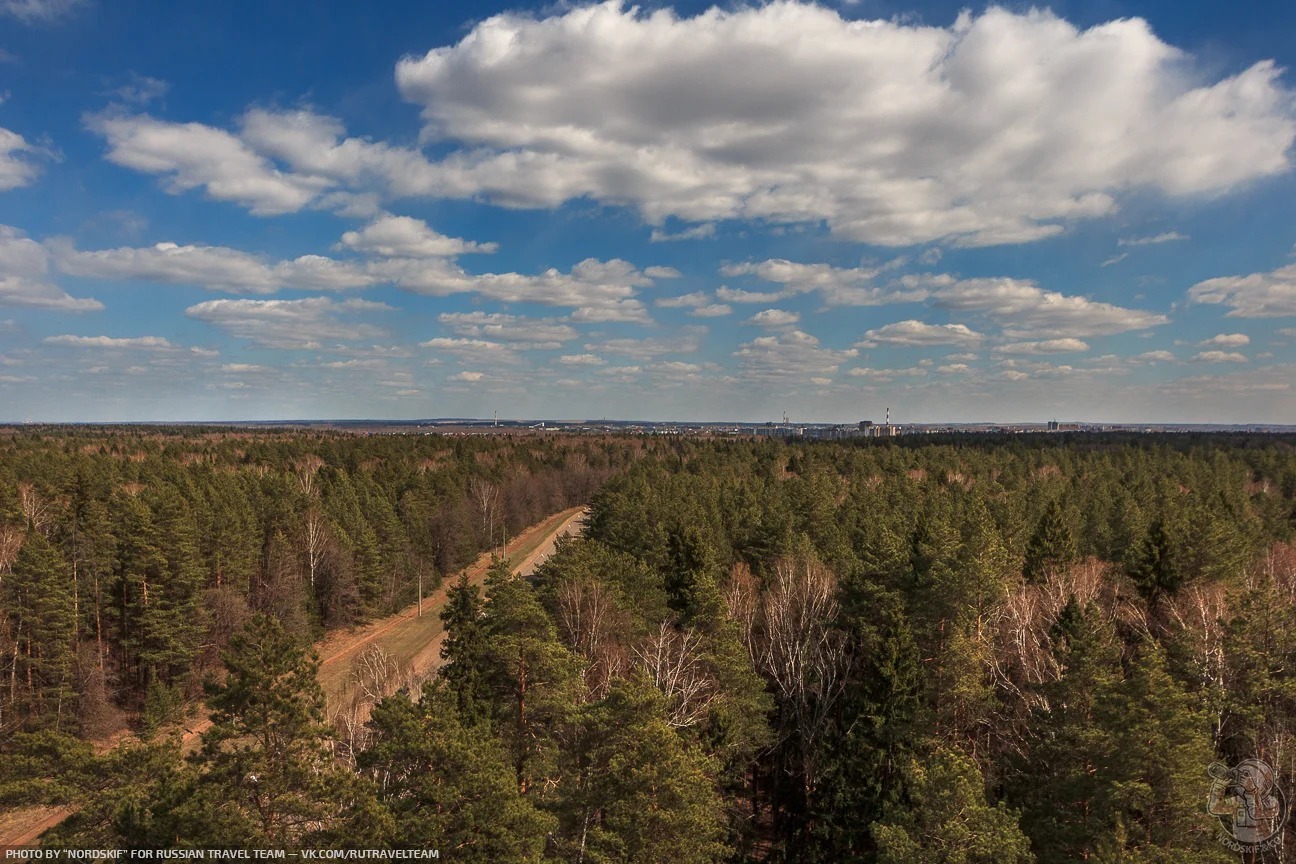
[(966, 649)]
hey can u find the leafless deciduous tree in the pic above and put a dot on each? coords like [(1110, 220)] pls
[(307, 468), (588, 621), (673, 659), (485, 498), (1278, 568), (375, 675), (315, 536), (742, 598), (801, 653), (1199, 612), (35, 509), (1023, 619), (11, 539)]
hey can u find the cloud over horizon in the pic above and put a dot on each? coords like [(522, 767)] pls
[(607, 209)]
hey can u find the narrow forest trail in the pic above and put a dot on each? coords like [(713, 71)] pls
[(412, 640)]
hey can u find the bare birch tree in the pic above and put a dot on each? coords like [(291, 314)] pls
[(35, 510), (307, 468), (673, 659), (802, 654), (742, 599), (11, 539), (315, 536), (485, 498), (588, 622)]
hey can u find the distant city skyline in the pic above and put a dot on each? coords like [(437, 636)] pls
[(233, 213)]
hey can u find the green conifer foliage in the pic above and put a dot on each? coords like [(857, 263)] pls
[(448, 785), (634, 790), (532, 679), (1155, 566), (39, 599), (947, 820), (1052, 545), (464, 651), (266, 774)]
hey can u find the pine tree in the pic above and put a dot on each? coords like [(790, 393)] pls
[(531, 678), (1154, 566), (947, 819), (633, 791), (691, 571), (1052, 546), (448, 785), (1161, 743), (464, 650), (125, 799), (39, 596), (878, 723), (140, 571), (1063, 786), (230, 543), (266, 775), (172, 623)]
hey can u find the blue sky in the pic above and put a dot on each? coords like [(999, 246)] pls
[(288, 210)]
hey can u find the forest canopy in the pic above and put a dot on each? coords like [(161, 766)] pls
[(963, 649)]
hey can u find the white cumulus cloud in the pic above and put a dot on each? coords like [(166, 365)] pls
[(1026, 310), (788, 358), (291, 324), (582, 360), (24, 277), (686, 340), (597, 290), (774, 318), (142, 343), (40, 11), (16, 165), (192, 155), (476, 351), (912, 333), (839, 286), (998, 128), (1220, 357), (1044, 346), (1226, 340), (1153, 240), (697, 232), (1259, 295), (407, 237), (215, 267), (499, 327)]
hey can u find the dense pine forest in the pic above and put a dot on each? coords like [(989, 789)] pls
[(129, 558), (1001, 649)]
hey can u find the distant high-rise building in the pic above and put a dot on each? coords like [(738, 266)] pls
[(1052, 425)]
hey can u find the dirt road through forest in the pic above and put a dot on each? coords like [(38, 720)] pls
[(414, 641)]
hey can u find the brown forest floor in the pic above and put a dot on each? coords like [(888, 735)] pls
[(414, 642)]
